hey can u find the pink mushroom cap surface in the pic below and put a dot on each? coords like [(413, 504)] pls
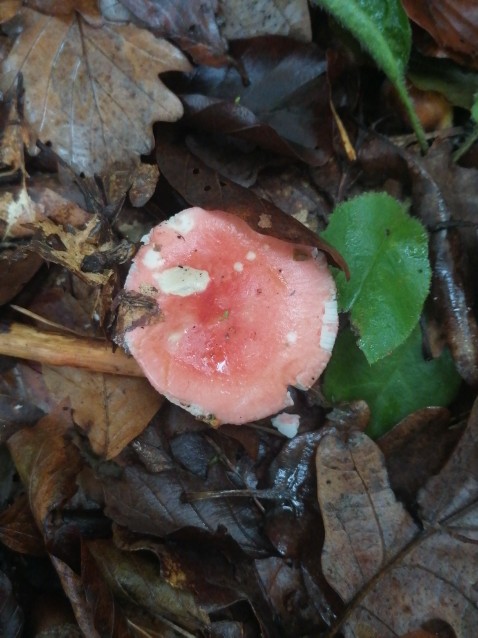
[(243, 316)]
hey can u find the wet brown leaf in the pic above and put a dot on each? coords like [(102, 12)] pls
[(16, 270), (192, 26), (18, 530), (112, 410), (456, 486), (182, 486), (282, 106), (87, 8), (365, 526), (74, 589), (11, 614), (76, 79), (47, 464), (246, 19), (453, 24), (416, 448), (202, 186), (136, 579), (284, 583)]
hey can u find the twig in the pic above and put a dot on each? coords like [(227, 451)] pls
[(27, 342)]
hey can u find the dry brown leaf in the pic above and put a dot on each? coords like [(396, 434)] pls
[(430, 576), (110, 188), (9, 9), (87, 8), (111, 410), (364, 524), (47, 464), (93, 93), (248, 18)]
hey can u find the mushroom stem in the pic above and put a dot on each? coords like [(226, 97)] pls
[(27, 342)]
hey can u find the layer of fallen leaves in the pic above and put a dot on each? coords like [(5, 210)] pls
[(120, 514)]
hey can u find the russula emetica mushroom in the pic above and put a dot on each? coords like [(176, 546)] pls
[(243, 316)]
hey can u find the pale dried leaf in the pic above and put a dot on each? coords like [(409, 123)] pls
[(111, 410), (69, 248), (364, 524), (249, 18), (93, 93), (16, 211), (457, 484)]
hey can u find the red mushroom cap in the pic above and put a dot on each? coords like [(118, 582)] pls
[(243, 316)]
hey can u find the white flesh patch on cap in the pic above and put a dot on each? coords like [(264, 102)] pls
[(291, 338), (182, 223), (238, 267), (327, 339), (182, 281), (330, 311), (153, 260), (287, 424), (251, 255)]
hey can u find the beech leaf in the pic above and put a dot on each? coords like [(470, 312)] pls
[(393, 387), (111, 409), (387, 254), (382, 28), (93, 93)]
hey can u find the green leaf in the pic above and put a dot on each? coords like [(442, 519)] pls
[(457, 84), (387, 254), (395, 386), (383, 29)]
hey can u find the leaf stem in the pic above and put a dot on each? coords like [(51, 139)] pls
[(411, 113)]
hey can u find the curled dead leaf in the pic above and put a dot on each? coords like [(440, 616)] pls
[(202, 186), (110, 409)]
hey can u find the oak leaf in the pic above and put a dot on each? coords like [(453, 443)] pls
[(395, 576), (92, 93)]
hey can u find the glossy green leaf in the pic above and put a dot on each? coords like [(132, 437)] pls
[(393, 387), (383, 29), (387, 254)]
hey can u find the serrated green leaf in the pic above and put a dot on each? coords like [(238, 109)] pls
[(383, 29), (395, 386), (387, 254)]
